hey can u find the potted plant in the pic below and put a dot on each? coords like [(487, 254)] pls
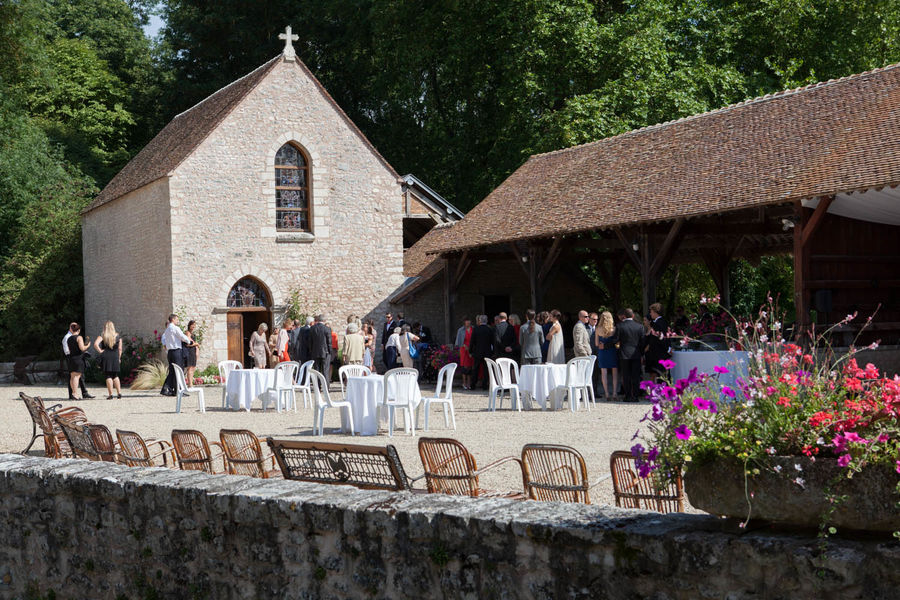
[(804, 437)]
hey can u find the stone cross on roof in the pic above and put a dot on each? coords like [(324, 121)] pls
[(289, 53)]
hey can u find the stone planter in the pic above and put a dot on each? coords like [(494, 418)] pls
[(719, 488)]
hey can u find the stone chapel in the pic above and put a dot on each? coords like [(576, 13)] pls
[(263, 189)]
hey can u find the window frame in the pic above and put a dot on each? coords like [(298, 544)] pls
[(307, 169)]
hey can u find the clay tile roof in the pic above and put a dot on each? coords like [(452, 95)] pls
[(837, 136), (180, 137), (187, 131), (418, 264)]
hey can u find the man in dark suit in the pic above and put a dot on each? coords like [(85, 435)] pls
[(386, 331), (303, 341), (505, 342), (480, 347), (320, 345), (631, 339), (293, 341), (593, 320)]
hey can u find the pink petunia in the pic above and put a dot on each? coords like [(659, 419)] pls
[(728, 391), (721, 370), (667, 364), (682, 432), (843, 460)]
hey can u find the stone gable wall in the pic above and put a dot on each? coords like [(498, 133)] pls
[(128, 262), (223, 212), (77, 529)]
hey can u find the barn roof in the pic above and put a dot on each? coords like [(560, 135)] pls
[(832, 137)]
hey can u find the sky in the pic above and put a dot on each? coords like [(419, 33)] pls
[(153, 26)]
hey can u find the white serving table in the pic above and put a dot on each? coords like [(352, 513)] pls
[(540, 380), (705, 361), (246, 385), (364, 395)]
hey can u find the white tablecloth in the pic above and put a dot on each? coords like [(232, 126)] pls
[(538, 380), (364, 394), (246, 385), (735, 362)]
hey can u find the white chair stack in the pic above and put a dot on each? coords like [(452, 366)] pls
[(500, 384), (400, 387), (322, 400), (182, 388), (285, 374), (445, 378), (578, 384), (351, 371), (508, 367), (301, 383), (225, 369)]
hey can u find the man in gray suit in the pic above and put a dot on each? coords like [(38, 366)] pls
[(581, 336), (631, 339)]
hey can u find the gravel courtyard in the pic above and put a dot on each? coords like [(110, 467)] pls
[(488, 436)]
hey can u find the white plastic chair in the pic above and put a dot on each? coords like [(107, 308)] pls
[(285, 374), (508, 368), (225, 369), (322, 400), (574, 386), (403, 396), (586, 372), (498, 386), (301, 383), (182, 388), (351, 371), (446, 373)]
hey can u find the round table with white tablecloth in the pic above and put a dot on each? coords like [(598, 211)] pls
[(364, 395), (706, 361), (539, 380), (246, 385)]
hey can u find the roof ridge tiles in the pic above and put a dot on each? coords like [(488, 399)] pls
[(750, 101)]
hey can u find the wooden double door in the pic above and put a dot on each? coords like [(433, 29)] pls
[(242, 322)]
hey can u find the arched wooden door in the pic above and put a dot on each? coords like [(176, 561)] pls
[(249, 304)]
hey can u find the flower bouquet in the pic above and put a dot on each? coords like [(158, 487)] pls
[(444, 355), (787, 440)]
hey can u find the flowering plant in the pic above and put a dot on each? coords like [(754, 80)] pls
[(209, 380), (444, 355), (136, 351), (773, 399)]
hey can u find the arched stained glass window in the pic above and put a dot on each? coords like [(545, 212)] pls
[(292, 206), (247, 292)]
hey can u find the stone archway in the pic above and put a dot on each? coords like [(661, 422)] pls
[(249, 303)]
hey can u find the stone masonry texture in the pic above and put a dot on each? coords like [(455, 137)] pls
[(78, 529)]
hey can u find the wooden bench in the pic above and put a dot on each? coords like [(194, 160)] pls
[(365, 467)]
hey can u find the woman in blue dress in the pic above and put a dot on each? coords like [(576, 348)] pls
[(607, 353)]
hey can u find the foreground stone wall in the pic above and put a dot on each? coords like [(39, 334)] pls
[(75, 529)]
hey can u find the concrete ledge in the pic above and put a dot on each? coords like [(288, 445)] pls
[(96, 530), (294, 238)]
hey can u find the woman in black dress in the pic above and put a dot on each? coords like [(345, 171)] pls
[(109, 345), (190, 354), (77, 348)]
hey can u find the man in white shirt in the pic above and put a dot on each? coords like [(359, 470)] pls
[(65, 345), (172, 338)]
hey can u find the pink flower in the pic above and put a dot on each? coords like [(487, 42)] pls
[(897, 468), (728, 391), (843, 460), (721, 370), (667, 364), (682, 432)]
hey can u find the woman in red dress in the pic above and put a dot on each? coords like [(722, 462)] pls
[(466, 362)]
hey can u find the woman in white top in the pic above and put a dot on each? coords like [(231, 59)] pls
[(391, 349), (407, 338), (556, 353)]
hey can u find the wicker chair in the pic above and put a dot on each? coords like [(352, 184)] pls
[(245, 456), (93, 442), (554, 473), (451, 469), (55, 443), (134, 451), (194, 452), (633, 491)]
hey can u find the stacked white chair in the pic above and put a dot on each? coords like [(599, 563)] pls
[(400, 387), (445, 378), (225, 369), (183, 388), (322, 400), (351, 371), (508, 367), (499, 385), (285, 374), (577, 385), (301, 383)]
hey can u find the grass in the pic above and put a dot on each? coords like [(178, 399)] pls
[(150, 375)]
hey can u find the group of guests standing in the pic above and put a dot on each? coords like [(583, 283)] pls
[(181, 349), (77, 350), (402, 343), (621, 343)]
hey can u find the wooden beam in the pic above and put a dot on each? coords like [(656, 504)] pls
[(551, 257), (669, 246), (629, 251), (809, 229), (464, 262), (448, 302), (522, 260), (533, 282)]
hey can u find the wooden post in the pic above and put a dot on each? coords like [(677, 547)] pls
[(805, 227), (533, 254), (648, 285), (448, 301)]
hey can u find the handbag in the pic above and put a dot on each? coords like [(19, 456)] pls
[(413, 351)]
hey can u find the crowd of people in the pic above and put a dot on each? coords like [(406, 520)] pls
[(621, 345), (77, 351)]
